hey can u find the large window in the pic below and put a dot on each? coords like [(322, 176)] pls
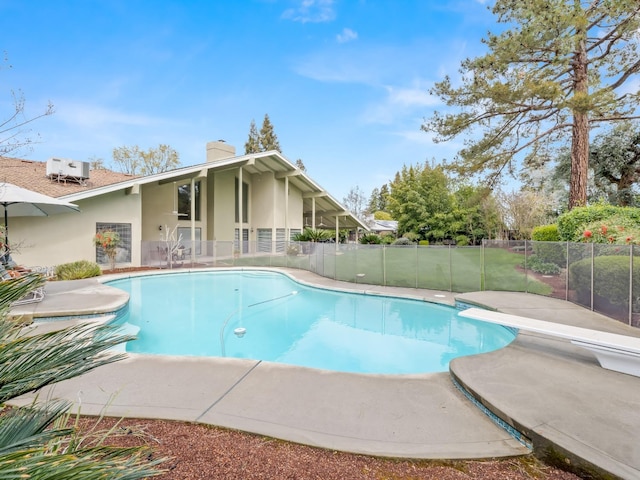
[(245, 203), (184, 201), (123, 251)]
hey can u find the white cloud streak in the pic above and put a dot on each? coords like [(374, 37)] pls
[(347, 35), (311, 11)]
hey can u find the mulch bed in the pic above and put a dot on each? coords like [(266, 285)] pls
[(195, 451)]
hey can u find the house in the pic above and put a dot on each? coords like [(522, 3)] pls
[(248, 204), (384, 227)]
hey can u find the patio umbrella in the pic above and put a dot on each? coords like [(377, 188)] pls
[(20, 202)]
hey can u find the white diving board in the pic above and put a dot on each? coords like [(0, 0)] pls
[(616, 352)]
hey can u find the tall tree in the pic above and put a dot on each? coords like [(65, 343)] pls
[(561, 67), (378, 199), (356, 202), (416, 195), (268, 137), (134, 161), (253, 142), (300, 165), (615, 160)]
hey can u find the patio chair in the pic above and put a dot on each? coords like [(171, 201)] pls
[(34, 296), (9, 264)]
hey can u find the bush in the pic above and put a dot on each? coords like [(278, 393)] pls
[(411, 236), (611, 279), (546, 233), (387, 238), (550, 252), (311, 235), (571, 225), (370, 239), (403, 241), (538, 265), (462, 241), (423, 242), (617, 230), (77, 270)]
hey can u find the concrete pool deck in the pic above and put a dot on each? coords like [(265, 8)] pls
[(550, 390)]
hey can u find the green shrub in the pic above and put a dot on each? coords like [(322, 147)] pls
[(370, 239), (412, 237), (387, 238), (77, 270), (311, 235), (546, 233), (611, 279), (462, 241), (549, 252), (538, 265), (571, 225), (423, 242)]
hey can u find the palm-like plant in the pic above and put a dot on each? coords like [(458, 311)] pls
[(34, 442)]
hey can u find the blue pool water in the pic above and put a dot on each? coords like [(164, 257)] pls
[(197, 313)]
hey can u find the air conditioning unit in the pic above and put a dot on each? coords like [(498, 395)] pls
[(71, 169)]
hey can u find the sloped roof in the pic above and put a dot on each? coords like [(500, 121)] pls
[(33, 176)]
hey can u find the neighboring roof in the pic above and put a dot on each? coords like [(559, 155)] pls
[(32, 175), (384, 225)]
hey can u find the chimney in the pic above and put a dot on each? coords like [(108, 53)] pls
[(219, 150)]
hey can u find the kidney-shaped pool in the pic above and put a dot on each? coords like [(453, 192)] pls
[(265, 315)]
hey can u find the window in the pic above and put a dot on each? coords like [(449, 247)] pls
[(245, 203), (184, 201), (264, 240), (123, 254)]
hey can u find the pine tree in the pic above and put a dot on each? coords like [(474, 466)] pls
[(268, 138), (253, 142), (558, 69)]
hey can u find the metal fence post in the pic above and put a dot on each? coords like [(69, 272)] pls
[(592, 271), (566, 280), (384, 265), (450, 271), (630, 284)]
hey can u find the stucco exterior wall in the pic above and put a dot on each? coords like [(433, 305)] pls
[(49, 241), (224, 205)]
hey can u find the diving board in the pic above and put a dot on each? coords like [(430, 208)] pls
[(616, 352)]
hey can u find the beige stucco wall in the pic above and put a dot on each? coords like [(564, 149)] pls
[(49, 241), (159, 202), (224, 205)]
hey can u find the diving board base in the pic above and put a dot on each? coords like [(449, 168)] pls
[(613, 359)]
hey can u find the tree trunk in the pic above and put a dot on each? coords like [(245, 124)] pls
[(579, 161), (580, 130)]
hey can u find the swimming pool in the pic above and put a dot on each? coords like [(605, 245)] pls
[(265, 315)]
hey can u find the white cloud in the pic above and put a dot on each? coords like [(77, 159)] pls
[(311, 11), (86, 116), (400, 102), (346, 35)]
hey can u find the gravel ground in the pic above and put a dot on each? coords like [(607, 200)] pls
[(202, 452)]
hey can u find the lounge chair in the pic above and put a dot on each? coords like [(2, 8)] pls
[(34, 296)]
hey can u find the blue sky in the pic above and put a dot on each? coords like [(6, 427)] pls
[(345, 82)]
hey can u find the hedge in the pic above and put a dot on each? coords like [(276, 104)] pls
[(611, 278), (571, 225)]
